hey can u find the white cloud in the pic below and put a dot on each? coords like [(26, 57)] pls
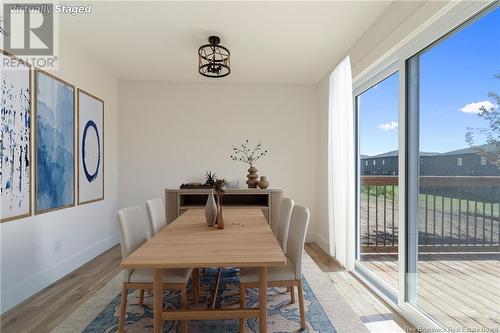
[(388, 126), (476, 107)]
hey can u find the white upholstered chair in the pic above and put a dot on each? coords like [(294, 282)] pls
[(156, 212), (158, 221), (281, 228), (285, 276), (132, 229)]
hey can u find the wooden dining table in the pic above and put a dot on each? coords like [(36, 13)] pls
[(246, 241)]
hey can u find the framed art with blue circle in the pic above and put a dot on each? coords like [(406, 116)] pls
[(90, 148)]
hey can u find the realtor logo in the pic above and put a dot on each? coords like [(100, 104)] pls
[(28, 29)]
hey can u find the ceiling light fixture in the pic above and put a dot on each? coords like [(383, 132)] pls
[(214, 59)]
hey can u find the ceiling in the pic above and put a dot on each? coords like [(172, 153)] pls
[(270, 42)]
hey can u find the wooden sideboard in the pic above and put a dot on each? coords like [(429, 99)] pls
[(177, 201)]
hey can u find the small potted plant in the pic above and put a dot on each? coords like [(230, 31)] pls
[(210, 177), (219, 192), (248, 155)]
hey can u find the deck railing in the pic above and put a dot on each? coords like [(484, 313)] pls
[(456, 213)]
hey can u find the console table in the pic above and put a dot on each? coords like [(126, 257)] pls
[(178, 201)]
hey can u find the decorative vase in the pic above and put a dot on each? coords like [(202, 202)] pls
[(263, 182), (220, 218), (252, 177), (211, 209)]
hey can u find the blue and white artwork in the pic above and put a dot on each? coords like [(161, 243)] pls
[(55, 166), (15, 139), (91, 146)]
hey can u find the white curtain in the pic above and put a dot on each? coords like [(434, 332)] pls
[(341, 166)]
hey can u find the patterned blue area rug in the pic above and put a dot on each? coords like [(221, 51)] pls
[(282, 316)]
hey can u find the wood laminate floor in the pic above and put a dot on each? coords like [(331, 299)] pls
[(45, 310), (48, 308), (371, 309)]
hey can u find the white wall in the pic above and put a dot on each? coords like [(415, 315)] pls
[(321, 204), (391, 28), (29, 261), (170, 133)]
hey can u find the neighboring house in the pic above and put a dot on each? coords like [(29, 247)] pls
[(462, 162), (383, 164)]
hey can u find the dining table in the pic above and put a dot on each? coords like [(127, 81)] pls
[(188, 242)]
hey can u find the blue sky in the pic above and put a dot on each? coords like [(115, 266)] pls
[(456, 76)]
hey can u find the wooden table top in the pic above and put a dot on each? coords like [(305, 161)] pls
[(246, 241)]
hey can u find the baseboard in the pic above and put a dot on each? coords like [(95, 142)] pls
[(311, 237), (27, 288), (318, 239)]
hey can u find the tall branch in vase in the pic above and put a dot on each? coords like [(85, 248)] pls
[(246, 154)]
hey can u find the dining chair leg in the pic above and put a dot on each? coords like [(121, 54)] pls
[(198, 282), (292, 294), (123, 309), (242, 306), (184, 306), (194, 285), (141, 298), (301, 306)]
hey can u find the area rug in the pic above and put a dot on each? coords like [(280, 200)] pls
[(283, 316), (326, 310)]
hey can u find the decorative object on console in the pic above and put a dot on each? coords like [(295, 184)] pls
[(233, 183), (219, 191), (54, 143), (211, 209), (15, 135), (245, 154), (214, 59), (194, 186), (91, 148), (263, 182), (210, 178), (252, 177)]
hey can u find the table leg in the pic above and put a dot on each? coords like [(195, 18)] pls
[(158, 302), (263, 300)]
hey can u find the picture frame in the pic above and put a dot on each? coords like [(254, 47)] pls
[(16, 195), (90, 129), (54, 143)]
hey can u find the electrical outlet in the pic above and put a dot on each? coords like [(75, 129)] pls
[(58, 245)]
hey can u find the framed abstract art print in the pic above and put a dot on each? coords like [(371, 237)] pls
[(15, 138), (90, 148), (54, 143)]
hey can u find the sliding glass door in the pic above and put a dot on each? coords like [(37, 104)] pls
[(428, 204), (378, 149), (453, 89)]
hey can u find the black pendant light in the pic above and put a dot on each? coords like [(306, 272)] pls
[(214, 59)]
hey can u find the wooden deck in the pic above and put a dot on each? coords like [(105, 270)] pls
[(457, 289)]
